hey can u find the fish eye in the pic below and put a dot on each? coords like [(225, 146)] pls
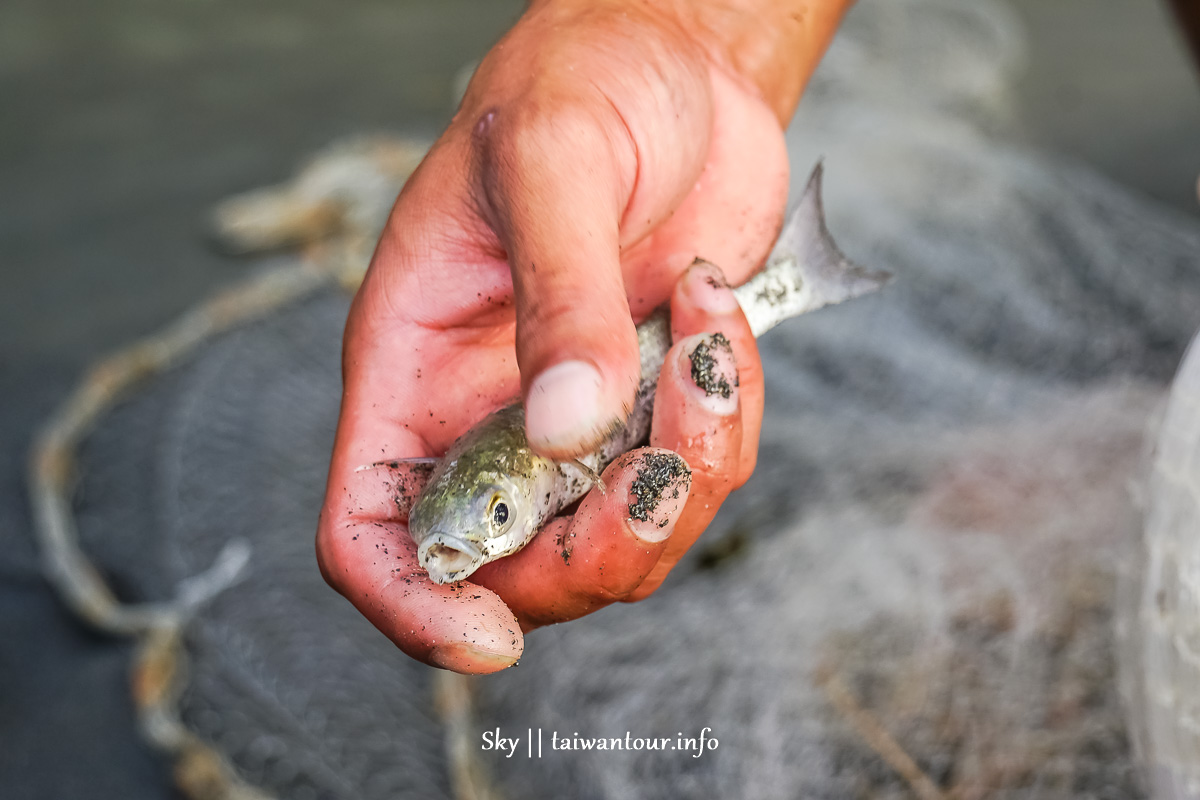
[(500, 513)]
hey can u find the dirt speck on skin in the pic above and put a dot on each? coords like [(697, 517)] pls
[(657, 473), (705, 371), (411, 479), (566, 544)]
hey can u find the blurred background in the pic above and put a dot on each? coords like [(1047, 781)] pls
[(123, 122)]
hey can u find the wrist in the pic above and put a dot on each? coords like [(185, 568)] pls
[(775, 45), (771, 46)]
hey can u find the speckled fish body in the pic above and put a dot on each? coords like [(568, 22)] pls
[(490, 493)]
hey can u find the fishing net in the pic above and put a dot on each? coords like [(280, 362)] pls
[(1159, 614), (913, 596)]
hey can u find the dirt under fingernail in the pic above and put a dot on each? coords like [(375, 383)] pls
[(706, 372), (660, 475)]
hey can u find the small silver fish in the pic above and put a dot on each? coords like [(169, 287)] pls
[(490, 493)]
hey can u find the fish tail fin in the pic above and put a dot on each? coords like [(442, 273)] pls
[(806, 269), (834, 277)]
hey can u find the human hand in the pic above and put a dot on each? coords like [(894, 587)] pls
[(600, 148)]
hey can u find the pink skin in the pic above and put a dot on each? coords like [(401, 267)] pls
[(594, 157)]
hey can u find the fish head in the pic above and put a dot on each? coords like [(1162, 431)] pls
[(458, 529)]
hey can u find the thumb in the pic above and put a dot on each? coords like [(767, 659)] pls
[(556, 181)]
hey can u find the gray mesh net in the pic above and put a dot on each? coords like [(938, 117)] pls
[(1159, 612), (913, 596)]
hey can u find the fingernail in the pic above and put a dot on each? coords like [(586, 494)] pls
[(657, 494), (705, 285), (462, 657), (707, 366), (562, 411)]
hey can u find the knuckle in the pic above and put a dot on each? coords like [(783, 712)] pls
[(540, 309), (643, 590), (745, 470), (609, 589), (332, 555), (522, 134), (714, 455), (713, 482)]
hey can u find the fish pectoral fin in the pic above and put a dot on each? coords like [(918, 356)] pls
[(400, 463), (590, 474), (406, 478)]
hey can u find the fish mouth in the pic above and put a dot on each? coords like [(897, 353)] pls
[(448, 558)]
